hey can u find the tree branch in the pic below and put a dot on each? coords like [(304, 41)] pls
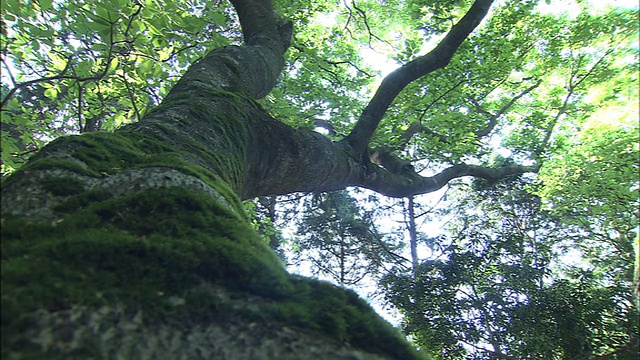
[(63, 74), (391, 86), (574, 82), (418, 127), (251, 69), (260, 25), (410, 183), (493, 119)]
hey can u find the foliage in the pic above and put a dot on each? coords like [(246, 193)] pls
[(528, 85), (94, 65), (270, 215), (495, 289), (541, 87), (594, 186)]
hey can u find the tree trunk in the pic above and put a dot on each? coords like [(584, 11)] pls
[(134, 244), (413, 240)]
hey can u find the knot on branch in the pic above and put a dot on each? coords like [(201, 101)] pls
[(391, 162)]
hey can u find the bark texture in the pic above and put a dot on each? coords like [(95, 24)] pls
[(116, 333), (117, 246)]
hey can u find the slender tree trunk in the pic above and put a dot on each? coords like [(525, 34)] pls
[(636, 270), (419, 291), (413, 240)]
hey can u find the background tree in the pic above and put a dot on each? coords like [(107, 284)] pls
[(270, 216), (338, 239), (593, 187), (500, 285)]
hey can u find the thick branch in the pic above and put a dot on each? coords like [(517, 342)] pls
[(396, 81), (292, 160), (251, 69), (261, 26), (287, 160), (280, 159), (402, 185)]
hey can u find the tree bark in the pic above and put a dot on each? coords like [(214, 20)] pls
[(124, 244)]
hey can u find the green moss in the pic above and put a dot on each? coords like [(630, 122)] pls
[(341, 314), (164, 241), (63, 185), (141, 249), (106, 154), (84, 199), (102, 153), (180, 98)]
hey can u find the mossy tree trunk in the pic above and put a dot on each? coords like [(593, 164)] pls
[(134, 244)]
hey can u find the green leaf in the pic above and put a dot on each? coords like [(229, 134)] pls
[(144, 67), (56, 61), (217, 18), (51, 93), (113, 65), (45, 4)]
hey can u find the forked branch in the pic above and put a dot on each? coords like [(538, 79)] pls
[(391, 86)]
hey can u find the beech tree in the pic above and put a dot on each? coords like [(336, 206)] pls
[(134, 243)]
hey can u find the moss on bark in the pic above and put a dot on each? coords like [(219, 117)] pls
[(136, 223), (144, 250)]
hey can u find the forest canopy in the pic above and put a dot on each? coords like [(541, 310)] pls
[(522, 84)]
